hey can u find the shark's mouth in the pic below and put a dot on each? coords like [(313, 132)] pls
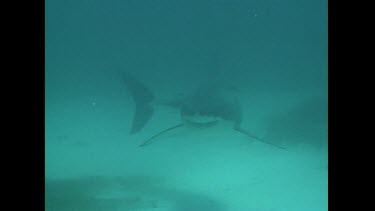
[(200, 121)]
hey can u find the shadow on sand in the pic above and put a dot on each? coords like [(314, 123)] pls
[(306, 122), (134, 192)]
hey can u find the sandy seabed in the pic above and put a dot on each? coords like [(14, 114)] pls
[(92, 163)]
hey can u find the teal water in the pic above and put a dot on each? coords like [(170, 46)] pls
[(272, 53)]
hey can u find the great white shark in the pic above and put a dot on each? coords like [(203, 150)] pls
[(204, 107)]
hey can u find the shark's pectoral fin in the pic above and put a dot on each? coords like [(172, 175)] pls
[(247, 133), (148, 141)]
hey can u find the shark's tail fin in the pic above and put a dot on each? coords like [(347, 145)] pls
[(143, 98)]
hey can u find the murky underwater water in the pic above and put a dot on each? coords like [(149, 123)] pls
[(272, 54)]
